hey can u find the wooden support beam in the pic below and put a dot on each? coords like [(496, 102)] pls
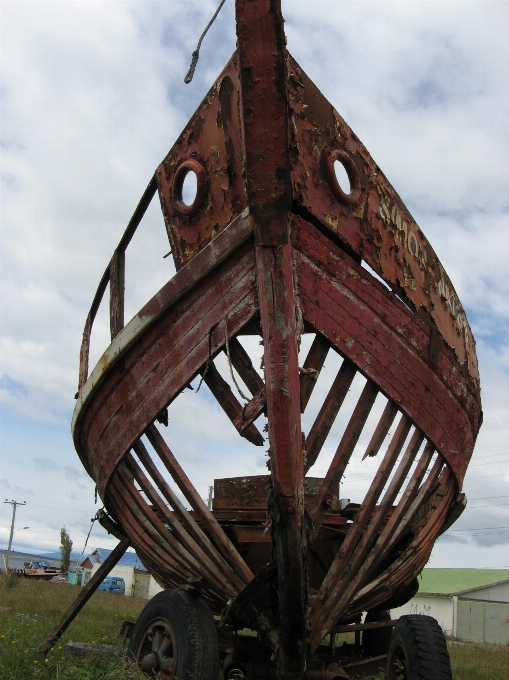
[(311, 370), (330, 409), (416, 502), (194, 499), (183, 515), (327, 596), (117, 292), (349, 579), (262, 56), (382, 429), (244, 366), (229, 402), (84, 596), (175, 542), (251, 411), (225, 575), (344, 452), (374, 557)]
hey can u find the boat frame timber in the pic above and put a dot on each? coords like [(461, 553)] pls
[(272, 244)]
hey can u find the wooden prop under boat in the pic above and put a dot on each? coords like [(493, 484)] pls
[(273, 245)]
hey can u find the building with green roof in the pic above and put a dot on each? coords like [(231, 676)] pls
[(469, 604)]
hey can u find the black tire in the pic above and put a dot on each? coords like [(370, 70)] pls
[(175, 637), (375, 642), (418, 650)]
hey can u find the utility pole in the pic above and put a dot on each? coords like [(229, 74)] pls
[(14, 506)]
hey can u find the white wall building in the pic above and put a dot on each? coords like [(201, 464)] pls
[(479, 614), (138, 582)]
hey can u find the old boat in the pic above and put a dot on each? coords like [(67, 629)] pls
[(273, 246), (40, 569)]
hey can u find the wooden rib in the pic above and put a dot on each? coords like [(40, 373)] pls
[(194, 499), (229, 581), (382, 429), (251, 411), (344, 451), (397, 516), (117, 291), (348, 579), (327, 415), (323, 602), (408, 563), (243, 365), (160, 534), (159, 568), (229, 402), (183, 515), (137, 527), (314, 361), (422, 494)]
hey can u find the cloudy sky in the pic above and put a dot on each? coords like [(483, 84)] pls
[(93, 98)]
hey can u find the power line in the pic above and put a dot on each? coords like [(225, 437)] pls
[(491, 505), (492, 455), (495, 462), (478, 529), (486, 498)]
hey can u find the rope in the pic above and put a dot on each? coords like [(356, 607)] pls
[(89, 532), (207, 364), (230, 364), (196, 53)]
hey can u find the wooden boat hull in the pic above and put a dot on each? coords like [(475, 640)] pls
[(272, 245)]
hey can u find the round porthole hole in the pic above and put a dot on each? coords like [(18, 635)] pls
[(189, 188), (342, 177)]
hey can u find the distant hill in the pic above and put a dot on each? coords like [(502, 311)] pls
[(55, 555)]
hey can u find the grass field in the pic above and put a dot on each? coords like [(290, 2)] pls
[(99, 623)]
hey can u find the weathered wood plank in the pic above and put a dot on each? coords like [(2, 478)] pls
[(84, 595), (313, 364), (262, 55), (229, 581), (328, 412), (387, 342), (344, 451), (161, 363), (326, 598), (382, 429), (251, 411), (183, 482), (185, 517), (349, 577), (229, 403), (243, 365), (117, 292), (380, 353)]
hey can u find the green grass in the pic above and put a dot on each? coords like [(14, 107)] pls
[(99, 623), (478, 662)]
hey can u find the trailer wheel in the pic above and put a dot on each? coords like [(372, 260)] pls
[(418, 650), (175, 637), (375, 642)]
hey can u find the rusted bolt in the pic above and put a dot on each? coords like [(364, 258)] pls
[(290, 510)]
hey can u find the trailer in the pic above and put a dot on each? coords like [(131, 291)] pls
[(274, 246)]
